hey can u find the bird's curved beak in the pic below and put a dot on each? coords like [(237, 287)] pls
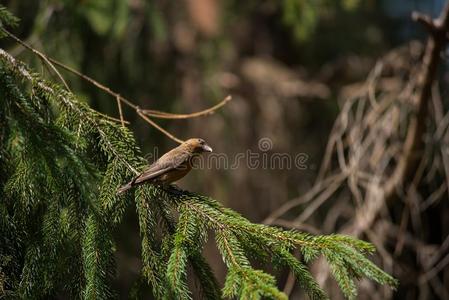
[(207, 148)]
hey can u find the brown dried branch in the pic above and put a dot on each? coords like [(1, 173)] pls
[(39, 54), (120, 111), (315, 190), (377, 148), (144, 114), (164, 115), (152, 123), (414, 142)]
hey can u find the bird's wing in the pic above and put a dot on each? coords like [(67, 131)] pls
[(169, 161)]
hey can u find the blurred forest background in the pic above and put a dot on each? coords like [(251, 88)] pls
[(291, 67)]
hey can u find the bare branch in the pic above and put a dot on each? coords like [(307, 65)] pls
[(144, 114)]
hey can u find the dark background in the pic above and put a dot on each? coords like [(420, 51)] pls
[(184, 56)]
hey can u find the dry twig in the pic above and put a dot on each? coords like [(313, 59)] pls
[(144, 114), (380, 151)]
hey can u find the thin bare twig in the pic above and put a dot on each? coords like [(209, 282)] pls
[(208, 111), (42, 56), (435, 270), (152, 123), (315, 190), (120, 111), (144, 114), (61, 96)]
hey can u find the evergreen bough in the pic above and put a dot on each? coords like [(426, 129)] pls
[(61, 163)]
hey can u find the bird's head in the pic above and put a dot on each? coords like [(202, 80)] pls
[(197, 145)]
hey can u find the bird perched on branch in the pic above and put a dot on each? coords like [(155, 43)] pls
[(171, 167)]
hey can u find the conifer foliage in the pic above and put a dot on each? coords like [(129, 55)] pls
[(61, 163)]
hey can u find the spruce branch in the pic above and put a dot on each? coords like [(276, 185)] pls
[(177, 263), (343, 253), (59, 190), (152, 261), (98, 264)]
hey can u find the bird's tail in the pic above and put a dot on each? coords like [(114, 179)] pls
[(124, 188)]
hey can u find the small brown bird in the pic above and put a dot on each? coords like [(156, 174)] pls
[(171, 167)]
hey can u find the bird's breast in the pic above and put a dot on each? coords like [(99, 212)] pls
[(176, 174)]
